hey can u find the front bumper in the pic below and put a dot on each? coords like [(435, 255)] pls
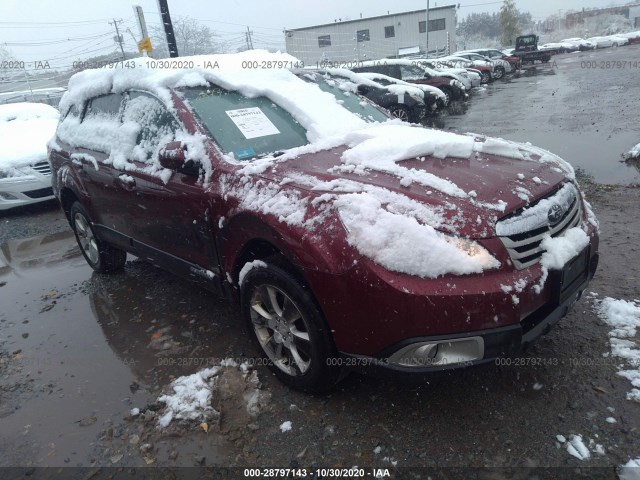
[(498, 342), (25, 191)]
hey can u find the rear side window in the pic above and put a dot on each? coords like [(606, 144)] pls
[(106, 106), (155, 123)]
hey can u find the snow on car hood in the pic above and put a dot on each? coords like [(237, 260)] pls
[(25, 129)]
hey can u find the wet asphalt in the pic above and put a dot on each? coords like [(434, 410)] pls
[(78, 350)]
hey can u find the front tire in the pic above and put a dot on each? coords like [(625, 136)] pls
[(401, 112), (100, 256), (498, 72), (289, 329), (485, 77)]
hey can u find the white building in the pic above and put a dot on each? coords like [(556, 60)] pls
[(372, 38)]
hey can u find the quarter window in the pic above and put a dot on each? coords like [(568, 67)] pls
[(106, 106)]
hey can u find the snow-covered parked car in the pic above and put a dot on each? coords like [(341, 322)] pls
[(560, 47), (404, 101), (347, 238), (25, 175), (485, 71), (633, 37), (433, 97), (609, 41), (579, 43), (500, 66), (410, 71), (469, 79)]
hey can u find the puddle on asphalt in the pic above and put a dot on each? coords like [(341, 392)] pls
[(538, 107), (79, 350)]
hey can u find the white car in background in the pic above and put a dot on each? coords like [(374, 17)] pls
[(25, 173), (561, 47), (606, 41), (500, 66), (580, 43), (469, 78), (484, 71)]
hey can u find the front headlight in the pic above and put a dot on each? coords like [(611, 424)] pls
[(399, 237)]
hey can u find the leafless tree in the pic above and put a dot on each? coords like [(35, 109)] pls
[(192, 37)]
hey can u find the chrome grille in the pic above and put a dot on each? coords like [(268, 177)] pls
[(42, 168), (524, 244)]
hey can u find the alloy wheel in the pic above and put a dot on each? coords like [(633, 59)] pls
[(86, 238)]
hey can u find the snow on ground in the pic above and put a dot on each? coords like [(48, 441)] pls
[(285, 426), (25, 129), (192, 395), (576, 446), (630, 470), (624, 317), (633, 153)]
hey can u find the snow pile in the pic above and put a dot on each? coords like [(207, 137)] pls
[(630, 470), (401, 244), (193, 394), (191, 398), (576, 447), (624, 317), (633, 153), (25, 129), (286, 426)]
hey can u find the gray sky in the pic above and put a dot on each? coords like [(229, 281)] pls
[(34, 21)]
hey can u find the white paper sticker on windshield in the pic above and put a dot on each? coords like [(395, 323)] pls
[(252, 122)]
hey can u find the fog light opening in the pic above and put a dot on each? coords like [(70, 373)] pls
[(441, 353)]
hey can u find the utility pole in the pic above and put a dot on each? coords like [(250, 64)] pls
[(426, 29), (165, 17), (118, 37), (249, 39)]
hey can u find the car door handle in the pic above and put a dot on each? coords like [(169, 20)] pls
[(126, 182)]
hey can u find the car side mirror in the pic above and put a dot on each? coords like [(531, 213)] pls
[(172, 155), (363, 89)]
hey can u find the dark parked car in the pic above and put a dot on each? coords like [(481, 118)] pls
[(412, 72), (406, 103), (348, 240)]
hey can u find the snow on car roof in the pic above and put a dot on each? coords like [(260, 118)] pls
[(410, 88), (25, 129)]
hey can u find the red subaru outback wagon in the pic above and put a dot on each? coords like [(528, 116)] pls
[(347, 238)]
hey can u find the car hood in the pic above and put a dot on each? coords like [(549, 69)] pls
[(24, 142), (496, 178)]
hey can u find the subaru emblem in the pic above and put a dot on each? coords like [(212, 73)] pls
[(555, 214)]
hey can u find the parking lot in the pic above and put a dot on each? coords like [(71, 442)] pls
[(79, 350)]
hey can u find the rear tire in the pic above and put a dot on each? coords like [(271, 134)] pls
[(485, 77), (289, 329), (100, 256)]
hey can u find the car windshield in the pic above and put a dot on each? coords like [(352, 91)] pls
[(245, 127), (410, 72), (352, 102)]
